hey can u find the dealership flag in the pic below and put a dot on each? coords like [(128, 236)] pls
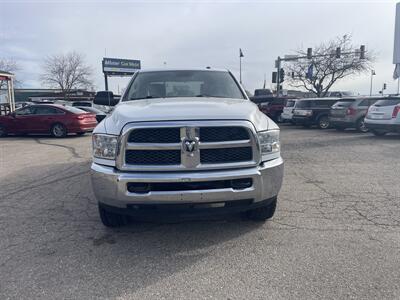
[(396, 50), (240, 53)]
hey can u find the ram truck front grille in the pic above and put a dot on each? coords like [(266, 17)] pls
[(198, 145)]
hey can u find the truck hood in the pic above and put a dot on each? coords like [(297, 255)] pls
[(184, 108)]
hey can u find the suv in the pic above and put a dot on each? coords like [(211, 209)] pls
[(313, 111), (350, 113), (288, 110), (384, 116), (184, 142)]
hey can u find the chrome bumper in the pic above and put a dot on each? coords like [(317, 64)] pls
[(110, 185)]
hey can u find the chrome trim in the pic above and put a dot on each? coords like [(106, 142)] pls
[(110, 185), (189, 130)]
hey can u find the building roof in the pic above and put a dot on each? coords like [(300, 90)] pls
[(6, 74)]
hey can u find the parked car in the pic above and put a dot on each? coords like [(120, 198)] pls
[(274, 108), (350, 113), (100, 115), (313, 111), (53, 119), (287, 114), (164, 149), (384, 116)]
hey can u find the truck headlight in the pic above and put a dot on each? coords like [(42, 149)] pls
[(105, 146), (269, 144)]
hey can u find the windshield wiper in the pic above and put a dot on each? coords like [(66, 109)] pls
[(138, 98)]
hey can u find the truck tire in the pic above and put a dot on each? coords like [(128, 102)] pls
[(110, 219), (58, 130), (262, 213)]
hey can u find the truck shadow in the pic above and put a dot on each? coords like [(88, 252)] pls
[(52, 220)]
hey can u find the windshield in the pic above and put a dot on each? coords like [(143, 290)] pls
[(74, 110), (303, 104), (169, 84), (344, 103), (387, 102), (290, 103)]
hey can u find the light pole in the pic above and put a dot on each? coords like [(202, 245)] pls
[(240, 65), (372, 76)]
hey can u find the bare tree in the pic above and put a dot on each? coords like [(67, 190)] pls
[(8, 65), (326, 67), (67, 72)]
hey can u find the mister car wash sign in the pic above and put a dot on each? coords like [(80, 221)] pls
[(117, 66)]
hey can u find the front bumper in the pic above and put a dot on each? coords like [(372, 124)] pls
[(110, 185)]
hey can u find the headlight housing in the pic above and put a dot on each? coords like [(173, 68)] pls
[(269, 144), (105, 146)]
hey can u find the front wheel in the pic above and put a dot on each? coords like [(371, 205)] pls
[(323, 122), (110, 219), (262, 213), (58, 130)]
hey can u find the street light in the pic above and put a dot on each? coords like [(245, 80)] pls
[(372, 76)]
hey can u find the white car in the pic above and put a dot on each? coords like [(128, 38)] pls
[(384, 116), (186, 142), (287, 113)]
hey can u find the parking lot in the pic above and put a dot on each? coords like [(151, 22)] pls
[(336, 233)]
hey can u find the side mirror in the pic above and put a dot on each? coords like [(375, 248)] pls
[(105, 98)]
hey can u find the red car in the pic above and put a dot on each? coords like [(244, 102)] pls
[(55, 119)]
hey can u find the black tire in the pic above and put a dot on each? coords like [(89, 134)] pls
[(262, 213), (80, 133), (110, 219), (3, 131), (378, 132), (360, 126), (323, 122), (340, 128), (58, 130)]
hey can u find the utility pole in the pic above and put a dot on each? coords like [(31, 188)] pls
[(372, 76), (278, 76)]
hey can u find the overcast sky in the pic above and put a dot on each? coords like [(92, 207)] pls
[(193, 34)]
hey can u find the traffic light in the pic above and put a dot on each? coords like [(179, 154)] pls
[(282, 75), (309, 53), (274, 75), (384, 86), (338, 52), (362, 51)]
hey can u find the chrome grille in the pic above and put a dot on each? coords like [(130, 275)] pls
[(156, 146), (225, 155), (153, 157), (155, 135), (220, 134)]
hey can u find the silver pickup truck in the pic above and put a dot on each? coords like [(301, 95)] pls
[(184, 142)]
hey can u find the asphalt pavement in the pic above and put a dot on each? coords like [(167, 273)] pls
[(335, 235)]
